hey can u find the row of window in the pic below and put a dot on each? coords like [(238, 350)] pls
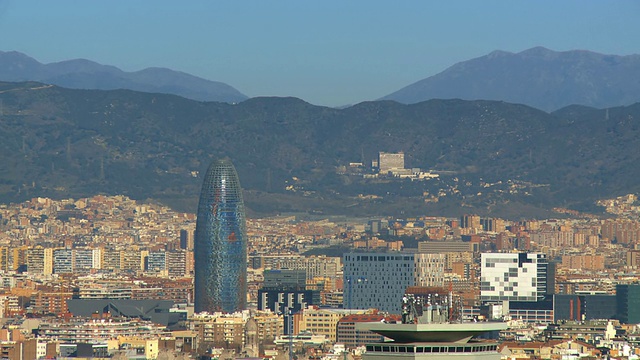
[(379, 258), (431, 349)]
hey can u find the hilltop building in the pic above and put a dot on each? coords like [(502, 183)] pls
[(388, 162)]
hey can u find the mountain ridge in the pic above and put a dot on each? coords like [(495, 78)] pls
[(88, 74), (538, 77), (494, 157)]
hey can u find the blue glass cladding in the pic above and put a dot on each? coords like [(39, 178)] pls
[(220, 242)]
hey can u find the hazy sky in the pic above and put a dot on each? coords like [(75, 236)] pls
[(325, 52)]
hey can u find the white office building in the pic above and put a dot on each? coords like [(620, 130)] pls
[(513, 276), (379, 280)]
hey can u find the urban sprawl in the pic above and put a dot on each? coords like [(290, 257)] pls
[(108, 276)]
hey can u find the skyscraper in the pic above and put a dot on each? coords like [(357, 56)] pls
[(220, 242)]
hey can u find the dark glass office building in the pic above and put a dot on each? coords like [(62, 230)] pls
[(628, 303), (584, 307), (220, 248)]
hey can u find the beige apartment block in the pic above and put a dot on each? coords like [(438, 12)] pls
[(40, 260), (584, 262), (322, 321)]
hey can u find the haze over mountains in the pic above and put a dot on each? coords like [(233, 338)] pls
[(494, 157), (85, 74), (537, 77)]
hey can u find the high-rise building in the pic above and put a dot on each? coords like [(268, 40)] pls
[(633, 258), (378, 280), (492, 224), (176, 262), (132, 259), (19, 257), (85, 259), (584, 262), (628, 303), (284, 300), (156, 261), (315, 266), (111, 259), (513, 276), (584, 307), (40, 260), (63, 261), (4, 258), (285, 278), (186, 239), (470, 221), (220, 242)]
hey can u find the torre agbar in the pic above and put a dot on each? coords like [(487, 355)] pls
[(220, 242)]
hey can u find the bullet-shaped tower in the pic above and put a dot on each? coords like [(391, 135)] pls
[(220, 247)]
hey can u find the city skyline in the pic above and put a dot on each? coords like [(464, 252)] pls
[(104, 265), (330, 53), (220, 283)]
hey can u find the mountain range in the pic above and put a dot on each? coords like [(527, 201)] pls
[(537, 77), (85, 74), (493, 157)]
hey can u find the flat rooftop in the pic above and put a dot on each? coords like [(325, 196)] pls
[(432, 333)]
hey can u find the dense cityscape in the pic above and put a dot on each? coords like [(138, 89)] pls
[(112, 276), (286, 180)]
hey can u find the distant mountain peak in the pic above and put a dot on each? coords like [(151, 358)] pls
[(538, 77), (88, 74), (537, 50)]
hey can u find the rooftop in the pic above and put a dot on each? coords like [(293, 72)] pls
[(434, 332)]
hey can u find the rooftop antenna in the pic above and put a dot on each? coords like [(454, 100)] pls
[(450, 300)]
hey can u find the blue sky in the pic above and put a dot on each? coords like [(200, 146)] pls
[(324, 52)]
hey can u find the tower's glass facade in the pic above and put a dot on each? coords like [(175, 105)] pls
[(220, 247)]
